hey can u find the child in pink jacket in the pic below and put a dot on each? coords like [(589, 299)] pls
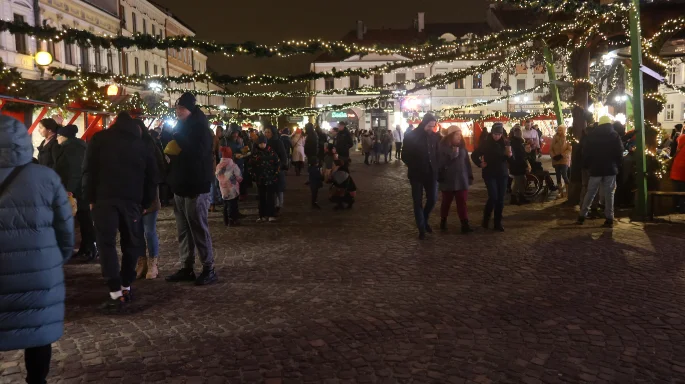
[(229, 176)]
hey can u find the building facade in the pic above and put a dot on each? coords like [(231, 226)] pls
[(674, 109)]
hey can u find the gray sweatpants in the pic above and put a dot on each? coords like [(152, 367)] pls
[(193, 230)]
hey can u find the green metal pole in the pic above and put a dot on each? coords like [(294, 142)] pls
[(553, 87), (638, 110)]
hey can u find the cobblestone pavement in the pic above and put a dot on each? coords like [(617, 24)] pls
[(346, 297)]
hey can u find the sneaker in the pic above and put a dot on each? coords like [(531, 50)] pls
[(429, 229), (261, 220), (207, 277), (184, 274), (608, 224), (127, 295), (113, 305), (273, 220)]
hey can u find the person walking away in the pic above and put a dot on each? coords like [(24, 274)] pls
[(36, 240), (343, 141), (367, 147), (229, 176), (398, 136), (297, 141), (311, 152), (492, 157), (190, 176), (454, 177), (119, 189), (560, 152), (288, 145), (48, 148), (420, 154), (678, 173), (148, 266), (387, 141), (519, 167), (264, 167), (277, 146), (69, 166), (602, 155)]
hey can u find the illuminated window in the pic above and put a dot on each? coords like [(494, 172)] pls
[(478, 81), (459, 84)]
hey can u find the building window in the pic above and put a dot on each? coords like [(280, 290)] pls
[(154, 33), (329, 83), (122, 15), (520, 85), (419, 76), (682, 109), (98, 61), (134, 21), (478, 81), (85, 58), (354, 81), (155, 69), (51, 49), (163, 71), (538, 83), (378, 81), (20, 42), (459, 84), (144, 26), (670, 112), (401, 78), (671, 74), (136, 66), (123, 65), (147, 68), (69, 54), (110, 62)]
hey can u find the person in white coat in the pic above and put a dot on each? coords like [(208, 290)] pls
[(298, 141), (398, 135)]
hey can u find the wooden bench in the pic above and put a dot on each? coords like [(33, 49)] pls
[(653, 194)]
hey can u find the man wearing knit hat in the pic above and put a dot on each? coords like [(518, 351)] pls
[(190, 177), (602, 156), (420, 156)]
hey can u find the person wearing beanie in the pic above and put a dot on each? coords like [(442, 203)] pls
[(37, 237), (264, 165), (492, 156), (69, 167), (603, 157), (191, 175), (420, 154), (48, 148), (343, 141), (229, 175), (119, 189)]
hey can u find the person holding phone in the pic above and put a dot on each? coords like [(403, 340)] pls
[(492, 157)]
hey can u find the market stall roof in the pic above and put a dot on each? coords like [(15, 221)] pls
[(49, 89)]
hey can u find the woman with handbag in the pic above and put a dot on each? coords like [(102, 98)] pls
[(560, 152), (454, 177)]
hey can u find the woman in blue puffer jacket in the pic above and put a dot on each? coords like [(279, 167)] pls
[(36, 239)]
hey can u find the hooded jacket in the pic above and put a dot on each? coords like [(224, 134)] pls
[(36, 239), (192, 171), (230, 177), (277, 146), (119, 166), (602, 151), (69, 165), (420, 154)]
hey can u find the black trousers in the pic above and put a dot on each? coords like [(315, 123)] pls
[(124, 217), (267, 196), (37, 361), (231, 210), (398, 149), (85, 223)]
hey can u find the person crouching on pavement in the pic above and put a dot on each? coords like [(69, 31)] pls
[(343, 190), (264, 165)]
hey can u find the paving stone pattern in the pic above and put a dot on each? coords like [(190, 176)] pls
[(354, 297)]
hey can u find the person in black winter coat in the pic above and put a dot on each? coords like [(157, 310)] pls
[(119, 189), (323, 140), (603, 157), (311, 151), (492, 157), (274, 141), (420, 154), (191, 174), (343, 142), (48, 148), (69, 167), (518, 167)]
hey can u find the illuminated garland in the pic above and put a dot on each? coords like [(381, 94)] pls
[(496, 100), (568, 6), (668, 85), (497, 115), (667, 29)]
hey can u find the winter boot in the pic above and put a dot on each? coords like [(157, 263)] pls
[(207, 277), (499, 227), (152, 270), (608, 223), (465, 227), (514, 200), (443, 224), (141, 267)]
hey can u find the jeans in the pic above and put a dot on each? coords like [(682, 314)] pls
[(520, 184), (151, 238), (266, 200), (398, 150), (126, 218), (460, 198), (37, 361), (497, 188), (421, 213), (562, 172), (193, 230), (608, 187), (678, 202)]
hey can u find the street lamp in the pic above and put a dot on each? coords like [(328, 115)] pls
[(42, 59)]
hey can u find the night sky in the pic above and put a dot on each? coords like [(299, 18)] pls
[(254, 20)]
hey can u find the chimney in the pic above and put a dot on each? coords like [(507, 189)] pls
[(422, 21), (360, 30)]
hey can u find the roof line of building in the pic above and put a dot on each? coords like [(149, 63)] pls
[(169, 13)]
